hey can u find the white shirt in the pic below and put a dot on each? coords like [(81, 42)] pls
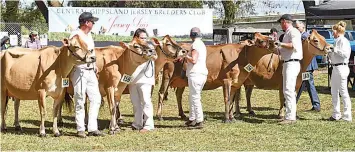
[(87, 38), (200, 66), (341, 52), (144, 73), (292, 35)]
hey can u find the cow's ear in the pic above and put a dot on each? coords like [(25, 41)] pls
[(155, 41), (65, 42), (123, 45)]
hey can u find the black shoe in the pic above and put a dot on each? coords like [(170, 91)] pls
[(96, 133), (81, 134), (190, 123), (315, 109), (198, 125)]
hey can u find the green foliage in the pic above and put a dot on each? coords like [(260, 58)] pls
[(11, 11), (139, 4)]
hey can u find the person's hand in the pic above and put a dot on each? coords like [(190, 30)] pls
[(178, 59), (96, 69)]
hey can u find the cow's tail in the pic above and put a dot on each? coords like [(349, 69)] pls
[(6, 102), (68, 100)]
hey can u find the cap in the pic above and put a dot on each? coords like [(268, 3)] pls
[(87, 16), (195, 32), (285, 17), (34, 32), (273, 30)]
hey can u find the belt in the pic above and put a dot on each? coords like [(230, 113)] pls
[(291, 60), (87, 69), (336, 64)]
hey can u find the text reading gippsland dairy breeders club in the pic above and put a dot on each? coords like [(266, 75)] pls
[(132, 11)]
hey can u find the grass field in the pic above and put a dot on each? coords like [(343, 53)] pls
[(262, 132)]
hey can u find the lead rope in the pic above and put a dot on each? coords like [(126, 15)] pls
[(150, 62)]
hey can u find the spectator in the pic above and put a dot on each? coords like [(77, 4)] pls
[(5, 43), (33, 42), (273, 34)]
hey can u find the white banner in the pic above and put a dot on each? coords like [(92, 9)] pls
[(121, 21)]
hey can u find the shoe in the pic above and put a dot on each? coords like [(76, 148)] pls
[(315, 109), (134, 128), (81, 134), (190, 123), (333, 119), (287, 122), (198, 125), (96, 133)]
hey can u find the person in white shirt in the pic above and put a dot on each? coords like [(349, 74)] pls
[(197, 74), (339, 57), (140, 91), (85, 81), (291, 54)]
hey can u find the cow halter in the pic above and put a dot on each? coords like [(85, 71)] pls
[(309, 41), (77, 55), (178, 48)]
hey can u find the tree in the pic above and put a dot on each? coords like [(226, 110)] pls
[(11, 12), (229, 12)]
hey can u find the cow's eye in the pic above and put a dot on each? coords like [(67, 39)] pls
[(136, 46)]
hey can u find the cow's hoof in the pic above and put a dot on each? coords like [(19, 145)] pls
[(4, 130), (183, 117), (252, 114), (120, 121), (18, 129), (237, 115), (42, 135), (227, 121), (280, 117), (112, 132), (57, 134), (160, 118)]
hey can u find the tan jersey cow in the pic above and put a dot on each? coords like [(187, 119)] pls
[(38, 74), (268, 72), (225, 64)]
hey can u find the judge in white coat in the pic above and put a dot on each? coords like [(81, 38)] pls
[(140, 92), (339, 57)]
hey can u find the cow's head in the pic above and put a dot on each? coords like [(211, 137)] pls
[(145, 49), (77, 50), (318, 44), (264, 41), (170, 49)]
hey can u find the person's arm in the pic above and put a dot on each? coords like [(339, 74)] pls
[(26, 44), (193, 58)]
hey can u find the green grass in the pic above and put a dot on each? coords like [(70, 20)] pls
[(262, 132)]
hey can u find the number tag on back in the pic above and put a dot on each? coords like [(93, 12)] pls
[(126, 79), (248, 67), (65, 82), (306, 76)]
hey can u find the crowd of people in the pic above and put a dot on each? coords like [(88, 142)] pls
[(289, 46)]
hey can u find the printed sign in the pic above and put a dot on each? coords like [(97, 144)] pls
[(65, 82), (306, 76), (126, 79), (13, 40), (249, 67), (123, 21), (43, 39)]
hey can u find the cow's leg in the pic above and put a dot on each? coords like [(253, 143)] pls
[(248, 91), (178, 93), (231, 98), (282, 102), (226, 93), (42, 111), (17, 122), (60, 118), (237, 99), (118, 112), (56, 110), (112, 106), (162, 91), (4, 101)]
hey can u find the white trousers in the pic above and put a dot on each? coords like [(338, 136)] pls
[(196, 83), (290, 72), (142, 105), (85, 81), (339, 84)]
